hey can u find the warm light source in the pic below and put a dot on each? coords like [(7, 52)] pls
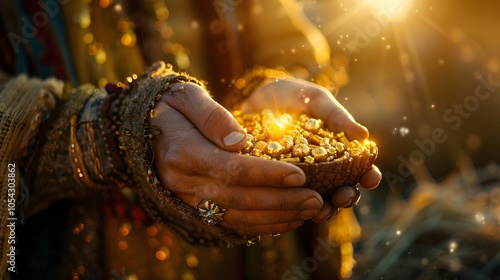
[(392, 10)]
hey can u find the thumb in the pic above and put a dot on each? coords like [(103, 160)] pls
[(213, 120)]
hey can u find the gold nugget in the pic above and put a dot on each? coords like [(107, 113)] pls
[(320, 154), (301, 150), (312, 125), (274, 131), (274, 149)]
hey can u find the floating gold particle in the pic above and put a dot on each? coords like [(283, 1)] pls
[(100, 57), (124, 229), (128, 39), (84, 19), (162, 254), (192, 260)]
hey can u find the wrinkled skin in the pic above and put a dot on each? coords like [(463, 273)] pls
[(196, 159)]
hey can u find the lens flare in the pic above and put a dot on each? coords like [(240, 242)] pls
[(396, 9)]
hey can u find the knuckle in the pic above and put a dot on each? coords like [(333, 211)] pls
[(282, 202), (215, 118), (238, 200)]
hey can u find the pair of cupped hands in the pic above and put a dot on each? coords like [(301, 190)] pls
[(196, 157)]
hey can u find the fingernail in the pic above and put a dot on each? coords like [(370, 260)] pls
[(308, 214), (371, 180), (233, 138), (349, 203), (311, 204), (294, 179)]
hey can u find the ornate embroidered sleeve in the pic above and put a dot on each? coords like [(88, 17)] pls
[(69, 151), (131, 111)]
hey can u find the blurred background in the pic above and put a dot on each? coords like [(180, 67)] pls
[(424, 72), (408, 68)]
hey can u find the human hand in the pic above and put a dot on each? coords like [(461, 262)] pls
[(294, 96), (196, 159)]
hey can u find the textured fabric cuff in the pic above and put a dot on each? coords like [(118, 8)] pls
[(135, 138)]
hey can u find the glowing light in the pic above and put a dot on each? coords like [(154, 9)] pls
[(122, 245), (162, 13), (162, 254), (398, 232), (84, 20), (104, 3), (306, 100), (404, 131), (128, 39), (192, 260), (117, 8), (479, 217), (124, 229), (452, 246), (393, 10), (88, 38), (100, 57)]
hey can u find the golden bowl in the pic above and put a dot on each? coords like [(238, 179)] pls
[(328, 159)]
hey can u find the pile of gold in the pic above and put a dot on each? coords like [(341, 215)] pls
[(328, 159)]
